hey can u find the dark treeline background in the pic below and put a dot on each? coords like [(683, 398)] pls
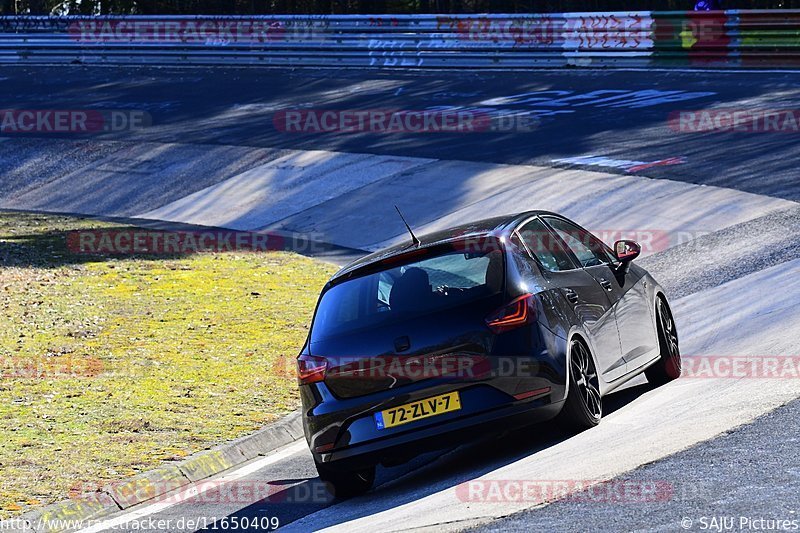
[(252, 7)]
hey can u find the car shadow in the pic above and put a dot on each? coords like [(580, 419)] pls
[(425, 475)]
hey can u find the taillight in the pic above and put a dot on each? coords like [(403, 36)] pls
[(519, 312), (311, 369)]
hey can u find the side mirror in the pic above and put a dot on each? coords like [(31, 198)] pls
[(627, 251)]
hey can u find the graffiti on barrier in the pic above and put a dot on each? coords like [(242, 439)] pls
[(379, 21), (521, 31), (33, 24), (608, 32)]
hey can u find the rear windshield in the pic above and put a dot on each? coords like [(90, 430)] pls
[(428, 285)]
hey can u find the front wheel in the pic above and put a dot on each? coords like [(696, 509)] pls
[(583, 407), (668, 366), (346, 483)]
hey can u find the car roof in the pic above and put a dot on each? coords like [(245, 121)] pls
[(487, 227)]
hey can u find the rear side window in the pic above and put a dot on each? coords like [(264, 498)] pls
[(432, 284), (545, 247)]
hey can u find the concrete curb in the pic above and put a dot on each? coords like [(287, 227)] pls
[(118, 496)]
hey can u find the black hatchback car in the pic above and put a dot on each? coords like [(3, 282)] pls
[(500, 323)]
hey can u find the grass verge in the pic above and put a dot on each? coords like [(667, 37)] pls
[(112, 365)]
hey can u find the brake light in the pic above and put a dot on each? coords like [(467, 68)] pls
[(404, 258), (311, 369), (519, 312)]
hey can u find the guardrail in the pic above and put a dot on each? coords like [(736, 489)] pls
[(640, 39)]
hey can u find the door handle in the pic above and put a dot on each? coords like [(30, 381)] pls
[(571, 295), (605, 284)]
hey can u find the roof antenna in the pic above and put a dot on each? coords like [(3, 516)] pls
[(413, 237)]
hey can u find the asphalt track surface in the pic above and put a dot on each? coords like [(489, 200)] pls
[(579, 114), (622, 115), (733, 480)]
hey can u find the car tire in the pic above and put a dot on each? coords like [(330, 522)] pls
[(344, 484), (583, 407), (668, 366)]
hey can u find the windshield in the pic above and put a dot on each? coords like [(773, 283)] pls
[(429, 285)]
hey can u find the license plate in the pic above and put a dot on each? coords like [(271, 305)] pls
[(410, 412)]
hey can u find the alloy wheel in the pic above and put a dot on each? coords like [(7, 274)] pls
[(670, 335), (586, 379)]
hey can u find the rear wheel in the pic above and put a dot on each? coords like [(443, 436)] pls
[(346, 483), (583, 407), (668, 366)]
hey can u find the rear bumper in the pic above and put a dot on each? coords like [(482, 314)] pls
[(402, 446), (342, 431)]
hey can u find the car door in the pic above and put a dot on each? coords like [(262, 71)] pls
[(626, 290), (591, 304)]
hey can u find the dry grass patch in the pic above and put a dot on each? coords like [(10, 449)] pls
[(113, 365)]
